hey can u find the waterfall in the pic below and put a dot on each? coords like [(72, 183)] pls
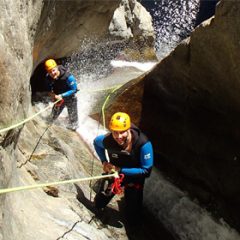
[(174, 20)]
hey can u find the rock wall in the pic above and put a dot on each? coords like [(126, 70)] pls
[(30, 32), (44, 154), (18, 23), (188, 105), (18, 26), (132, 24), (66, 26), (190, 108)]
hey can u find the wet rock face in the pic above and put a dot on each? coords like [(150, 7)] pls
[(190, 111)]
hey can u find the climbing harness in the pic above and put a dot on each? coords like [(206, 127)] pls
[(104, 126), (110, 186), (60, 103), (116, 187), (134, 185)]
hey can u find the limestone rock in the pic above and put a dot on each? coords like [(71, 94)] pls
[(64, 25), (18, 26), (131, 19), (132, 23), (24, 43)]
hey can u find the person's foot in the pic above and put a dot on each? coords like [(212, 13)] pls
[(99, 212), (72, 127)]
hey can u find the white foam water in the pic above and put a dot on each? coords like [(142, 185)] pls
[(142, 66)]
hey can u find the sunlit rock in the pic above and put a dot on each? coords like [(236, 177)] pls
[(64, 25), (133, 25)]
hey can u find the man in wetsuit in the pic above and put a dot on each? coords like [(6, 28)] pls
[(130, 153), (62, 86)]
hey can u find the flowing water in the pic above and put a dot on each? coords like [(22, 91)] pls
[(96, 72), (181, 216), (173, 21)]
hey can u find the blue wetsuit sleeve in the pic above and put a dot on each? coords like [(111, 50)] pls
[(99, 148), (146, 162), (72, 83)]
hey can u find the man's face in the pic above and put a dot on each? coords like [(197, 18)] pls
[(54, 73), (121, 137)]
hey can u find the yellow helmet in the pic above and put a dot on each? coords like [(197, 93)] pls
[(120, 121), (50, 64)]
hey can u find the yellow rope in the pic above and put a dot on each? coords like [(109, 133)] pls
[(27, 119), (43, 110), (21, 188), (105, 102)]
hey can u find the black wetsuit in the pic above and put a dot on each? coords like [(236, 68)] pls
[(135, 166), (66, 86)]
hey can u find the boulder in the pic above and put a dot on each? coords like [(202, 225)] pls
[(132, 24)]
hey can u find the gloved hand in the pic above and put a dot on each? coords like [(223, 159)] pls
[(58, 97), (110, 168), (55, 96)]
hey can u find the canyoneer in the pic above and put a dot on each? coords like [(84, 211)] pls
[(62, 86), (131, 154)]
